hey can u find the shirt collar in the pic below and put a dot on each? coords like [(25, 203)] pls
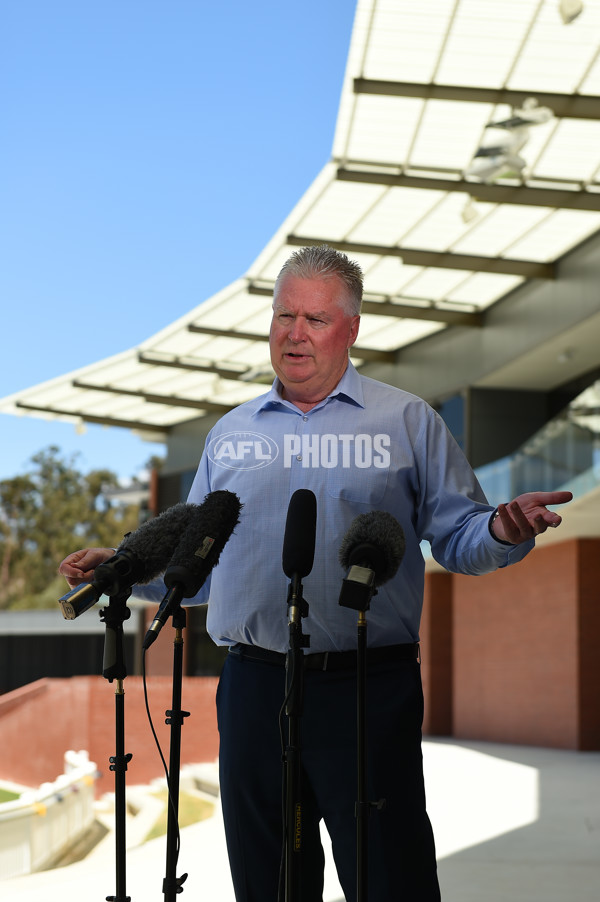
[(349, 389)]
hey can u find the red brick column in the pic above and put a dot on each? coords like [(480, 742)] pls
[(436, 654), (526, 662)]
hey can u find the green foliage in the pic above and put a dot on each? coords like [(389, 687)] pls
[(44, 516)]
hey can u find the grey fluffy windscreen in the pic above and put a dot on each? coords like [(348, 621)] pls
[(374, 540)]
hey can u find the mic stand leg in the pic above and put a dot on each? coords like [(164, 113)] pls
[(363, 805), (292, 758), (357, 594), (114, 668), (173, 885)]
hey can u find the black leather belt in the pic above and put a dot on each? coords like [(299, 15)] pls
[(330, 660)]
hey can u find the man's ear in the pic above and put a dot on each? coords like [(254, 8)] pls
[(353, 330)]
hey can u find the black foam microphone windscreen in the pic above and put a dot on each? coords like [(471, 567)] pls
[(141, 556), (203, 541), (375, 540), (198, 552), (155, 541), (300, 534)]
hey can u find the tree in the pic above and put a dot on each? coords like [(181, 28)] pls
[(46, 514)]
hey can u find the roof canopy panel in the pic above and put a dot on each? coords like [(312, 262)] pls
[(465, 162)]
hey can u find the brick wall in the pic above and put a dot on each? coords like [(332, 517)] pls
[(39, 722), (589, 643), (436, 654), (526, 667)]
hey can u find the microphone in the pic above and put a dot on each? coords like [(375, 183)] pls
[(372, 550), (297, 557), (142, 555), (300, 532), (208, 531)]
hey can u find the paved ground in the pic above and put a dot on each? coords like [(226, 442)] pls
[(511, 822)]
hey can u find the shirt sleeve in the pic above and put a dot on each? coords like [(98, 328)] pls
[(453, 512)]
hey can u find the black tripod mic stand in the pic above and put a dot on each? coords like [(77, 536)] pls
[(297, 609), (297, 560), (357, 594), (114, 668), (173, 885)]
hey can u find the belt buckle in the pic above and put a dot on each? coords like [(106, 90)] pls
[(325, 660)]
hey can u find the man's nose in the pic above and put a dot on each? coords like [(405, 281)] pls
[(297, 331)]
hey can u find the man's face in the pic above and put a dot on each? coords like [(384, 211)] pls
[(310, 336)]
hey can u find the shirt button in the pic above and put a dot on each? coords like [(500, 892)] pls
[(299, 457), (305, 419)]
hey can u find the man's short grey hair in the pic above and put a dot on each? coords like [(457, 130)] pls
[(324, 262)]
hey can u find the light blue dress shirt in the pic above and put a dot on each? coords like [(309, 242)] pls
[(367, 446)]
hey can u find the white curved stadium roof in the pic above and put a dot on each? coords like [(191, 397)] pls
[(466, 161)]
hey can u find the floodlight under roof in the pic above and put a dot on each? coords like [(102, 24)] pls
[(569, 10)]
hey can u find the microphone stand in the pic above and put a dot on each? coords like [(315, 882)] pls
[(358, 596), (297, 608), (172, 884), (363, 805), (114, 668)]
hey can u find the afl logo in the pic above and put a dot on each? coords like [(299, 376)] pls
[(242, 451)]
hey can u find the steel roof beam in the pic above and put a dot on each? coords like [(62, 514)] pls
[(528, 269), (571, 106), (186, 364), (524, 195), (171, 400), (431, 314), (100, 421), (388, 306), (228, 333)]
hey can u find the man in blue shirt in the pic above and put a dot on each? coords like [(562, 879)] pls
[(360, 446)]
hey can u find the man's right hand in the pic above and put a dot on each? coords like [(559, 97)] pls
[(79, 566)]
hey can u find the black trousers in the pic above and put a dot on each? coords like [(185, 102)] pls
[(402, 864)]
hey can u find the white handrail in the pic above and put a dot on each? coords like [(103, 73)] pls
[(40, 826)]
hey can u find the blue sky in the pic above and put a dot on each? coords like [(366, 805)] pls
[(149, 150)]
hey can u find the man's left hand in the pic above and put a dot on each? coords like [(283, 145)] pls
[(528, 516)]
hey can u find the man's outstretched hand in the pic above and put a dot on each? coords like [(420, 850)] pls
[(528, 516), (79, 566)]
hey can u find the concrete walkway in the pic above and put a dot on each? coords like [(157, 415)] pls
[(511, 822)]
